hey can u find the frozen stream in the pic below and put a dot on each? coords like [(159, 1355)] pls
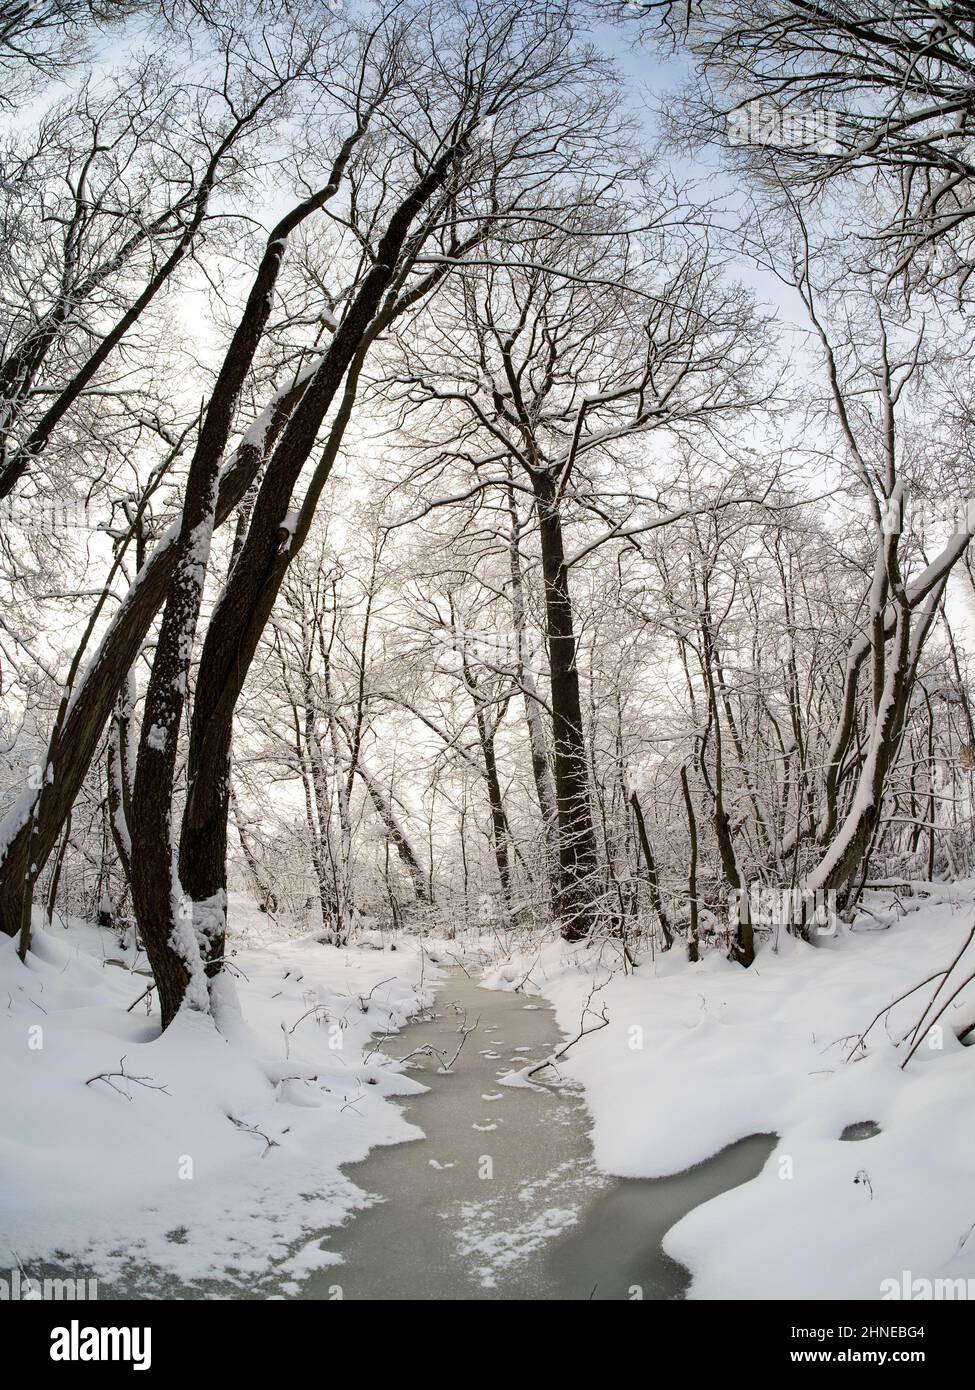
[(501, 1199)]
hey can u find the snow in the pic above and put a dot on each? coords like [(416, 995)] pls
[(496, 1248), (214, 1152), (185, 939), (698, 1056), (234, 1166), (16, 818), (156, 738)]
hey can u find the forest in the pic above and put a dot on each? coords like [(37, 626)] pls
[(485, 505)]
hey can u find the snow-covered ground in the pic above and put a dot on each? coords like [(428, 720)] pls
[(217, 1155), (697, 1056), (234, 1164)]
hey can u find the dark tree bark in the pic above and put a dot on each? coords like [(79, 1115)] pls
[(743, 949), (500, 835), (252, 587), (693, 946), (541, 766), (31, 842), (856, 834), (155, 896), (119, 780), (653, 881), (578, 865)]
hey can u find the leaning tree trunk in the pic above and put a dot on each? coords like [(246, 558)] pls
[(273, 539), (267, 898), (576, 903), (26, 844), (396, 835), (855, 836), (29, 842), (653, 880)]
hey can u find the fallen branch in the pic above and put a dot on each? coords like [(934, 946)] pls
[(252, 1129), (583, 1032), (922, 1027), (109, 1078), (950, 1000), (140, 998)]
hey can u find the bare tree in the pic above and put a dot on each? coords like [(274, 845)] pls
[(512, 61), (563, 352), (821, 92)]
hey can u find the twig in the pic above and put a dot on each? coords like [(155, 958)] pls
[(464, 1032), (107, 1077), (372, 1051), (582, 1033), (140, 998), (519, 987), (252, 1129), (886, 1010), (425, 1051), (364, 1001), (317, 1008), (964, 948)]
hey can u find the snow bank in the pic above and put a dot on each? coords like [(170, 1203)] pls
[(235, 1163), (697, 1056)]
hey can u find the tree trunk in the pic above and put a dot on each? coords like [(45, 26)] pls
[(119, 776), (576, 904), (500, 836), (272, 542), (397, 836), (541, 766), (693, 945), (656, 899), (855, 835), (345, 907), (267, 898), (31, 840)]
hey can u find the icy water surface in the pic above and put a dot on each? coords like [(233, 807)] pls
[(501, 1199)]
